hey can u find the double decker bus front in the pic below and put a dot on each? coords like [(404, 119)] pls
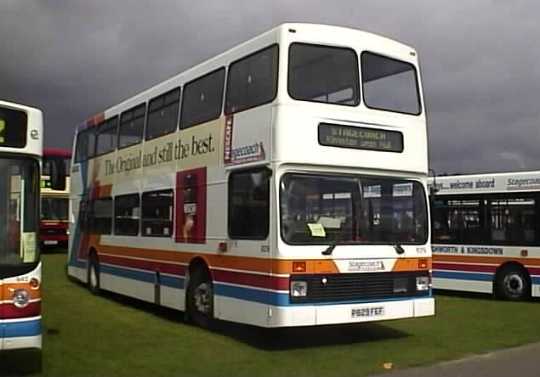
[(20, 270), (350, 163)]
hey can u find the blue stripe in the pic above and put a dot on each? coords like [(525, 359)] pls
[(174, 282), (146, 276), (248, 294), (462, 276), (22, 328), (535, 280)]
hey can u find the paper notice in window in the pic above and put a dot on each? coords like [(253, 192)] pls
[(317, 230), (29, 247)]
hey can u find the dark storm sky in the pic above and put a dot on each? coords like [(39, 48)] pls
[(480, 61)]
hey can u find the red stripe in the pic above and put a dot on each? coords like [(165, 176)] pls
[(464, 267), (167, 268), (9, 310), (255, 280), (534, 271)]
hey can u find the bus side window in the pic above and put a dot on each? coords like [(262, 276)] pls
[(107, 134), (252, 80), (126, 215), (85, 145), (249, 204), (100, 217), (157, 213), (202, 99), (163, 114), (131, 126)]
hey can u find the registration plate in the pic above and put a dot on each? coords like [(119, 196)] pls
[(374, 311), (50, 242)]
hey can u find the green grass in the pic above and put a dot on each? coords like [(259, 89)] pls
[(86, 335)]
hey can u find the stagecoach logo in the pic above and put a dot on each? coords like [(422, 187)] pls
[(243, 153), (523, 183), (366, 266)]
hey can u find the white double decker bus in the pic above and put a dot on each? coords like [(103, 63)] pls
[(486, 233), (281, 183)]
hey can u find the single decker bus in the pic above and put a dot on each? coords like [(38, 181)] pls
[(280, 183), (486, 233)]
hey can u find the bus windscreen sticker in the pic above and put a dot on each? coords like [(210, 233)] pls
[(334, 135)]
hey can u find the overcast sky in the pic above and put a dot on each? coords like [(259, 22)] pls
[(480, 61)]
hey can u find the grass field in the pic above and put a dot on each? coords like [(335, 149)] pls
[(86, 335)]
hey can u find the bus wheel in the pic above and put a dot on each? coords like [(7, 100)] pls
[(200, 300), (513, 283), (93, 274)]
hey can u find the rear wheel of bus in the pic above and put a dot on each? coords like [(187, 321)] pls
[(513, 283), (93, 274), (200, 298)]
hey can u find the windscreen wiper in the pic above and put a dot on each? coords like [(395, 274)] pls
[(329, 249), (399, 249)]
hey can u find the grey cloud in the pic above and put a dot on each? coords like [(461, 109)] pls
[(480, 68)]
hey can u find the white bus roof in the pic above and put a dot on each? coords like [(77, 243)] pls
[(34, 131), (487, 183), (282, 34)]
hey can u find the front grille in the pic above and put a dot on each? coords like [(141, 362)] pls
[(359, 286)]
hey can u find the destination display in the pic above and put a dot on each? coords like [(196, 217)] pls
[(12, 128), (334, 135)]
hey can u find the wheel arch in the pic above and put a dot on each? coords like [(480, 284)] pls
[(196, 263), (511, 264)]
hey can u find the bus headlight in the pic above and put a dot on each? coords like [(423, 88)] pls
[(423, 283), (20, 298), (298, 288)]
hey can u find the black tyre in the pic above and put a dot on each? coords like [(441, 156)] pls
[(93, 274), (200, 299), (513, 283)]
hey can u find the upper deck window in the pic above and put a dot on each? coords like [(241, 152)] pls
[(389, 84), (86, 141), (252, 80), (131, 126), (106, 136), (323, 74), (163, 114), (202, 99)]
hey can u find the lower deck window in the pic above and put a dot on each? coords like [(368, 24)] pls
[(126, 215), (100, 221), (157, 213)]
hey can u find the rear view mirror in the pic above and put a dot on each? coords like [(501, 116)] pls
[(58, 174)]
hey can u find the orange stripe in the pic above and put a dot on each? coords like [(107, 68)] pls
[(487, 260), (411, 264), (276, 266), (8, 289)]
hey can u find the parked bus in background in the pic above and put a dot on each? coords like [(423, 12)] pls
[(486, 233), (21, 137), (53, 228), (281, 183)]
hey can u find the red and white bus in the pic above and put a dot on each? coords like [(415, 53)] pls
[(21, 138), (54, 223), (281, 183)]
